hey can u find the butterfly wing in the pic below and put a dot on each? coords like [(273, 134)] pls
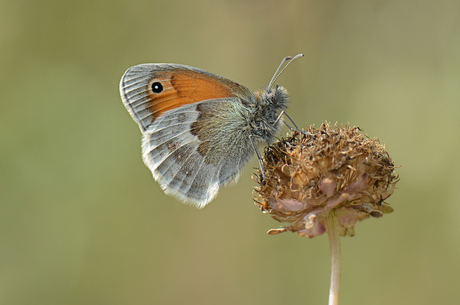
[(181, 150), (182, 85), (194, 140)]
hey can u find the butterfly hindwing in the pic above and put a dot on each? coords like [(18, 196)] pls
[(183, 162)]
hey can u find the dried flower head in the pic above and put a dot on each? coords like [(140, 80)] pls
[(327, 169)]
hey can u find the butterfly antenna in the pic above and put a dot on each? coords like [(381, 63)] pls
[(280, 69)]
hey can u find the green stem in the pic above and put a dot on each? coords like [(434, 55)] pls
[(332, 229)]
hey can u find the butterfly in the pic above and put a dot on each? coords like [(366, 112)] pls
[(199, 129)]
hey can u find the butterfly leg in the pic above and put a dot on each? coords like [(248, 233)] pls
[(258, 156), (295, 126)]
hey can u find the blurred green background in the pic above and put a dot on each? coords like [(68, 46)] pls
[(82, 220)]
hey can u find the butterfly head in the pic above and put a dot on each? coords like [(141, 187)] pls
[(270, 103)]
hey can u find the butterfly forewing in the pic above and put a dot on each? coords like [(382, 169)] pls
[(180, 85)]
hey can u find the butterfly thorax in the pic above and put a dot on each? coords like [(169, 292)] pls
[(267, 107)]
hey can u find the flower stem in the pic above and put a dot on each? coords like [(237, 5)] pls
[(332, 229)]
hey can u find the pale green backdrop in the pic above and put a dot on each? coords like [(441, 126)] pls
[(83, 222)]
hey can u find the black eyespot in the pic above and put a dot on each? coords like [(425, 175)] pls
[(157, 87)]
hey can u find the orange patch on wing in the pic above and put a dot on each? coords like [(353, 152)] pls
[(180, 89)]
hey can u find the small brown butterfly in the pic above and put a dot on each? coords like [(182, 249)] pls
[(199, 128)]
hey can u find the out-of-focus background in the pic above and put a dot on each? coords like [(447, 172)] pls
[(83, 222)]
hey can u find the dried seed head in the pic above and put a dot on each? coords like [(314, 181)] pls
[(330, 168)]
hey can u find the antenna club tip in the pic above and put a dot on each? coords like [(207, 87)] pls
[(280, 69)]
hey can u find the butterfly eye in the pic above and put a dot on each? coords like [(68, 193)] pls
[(157, 87)]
